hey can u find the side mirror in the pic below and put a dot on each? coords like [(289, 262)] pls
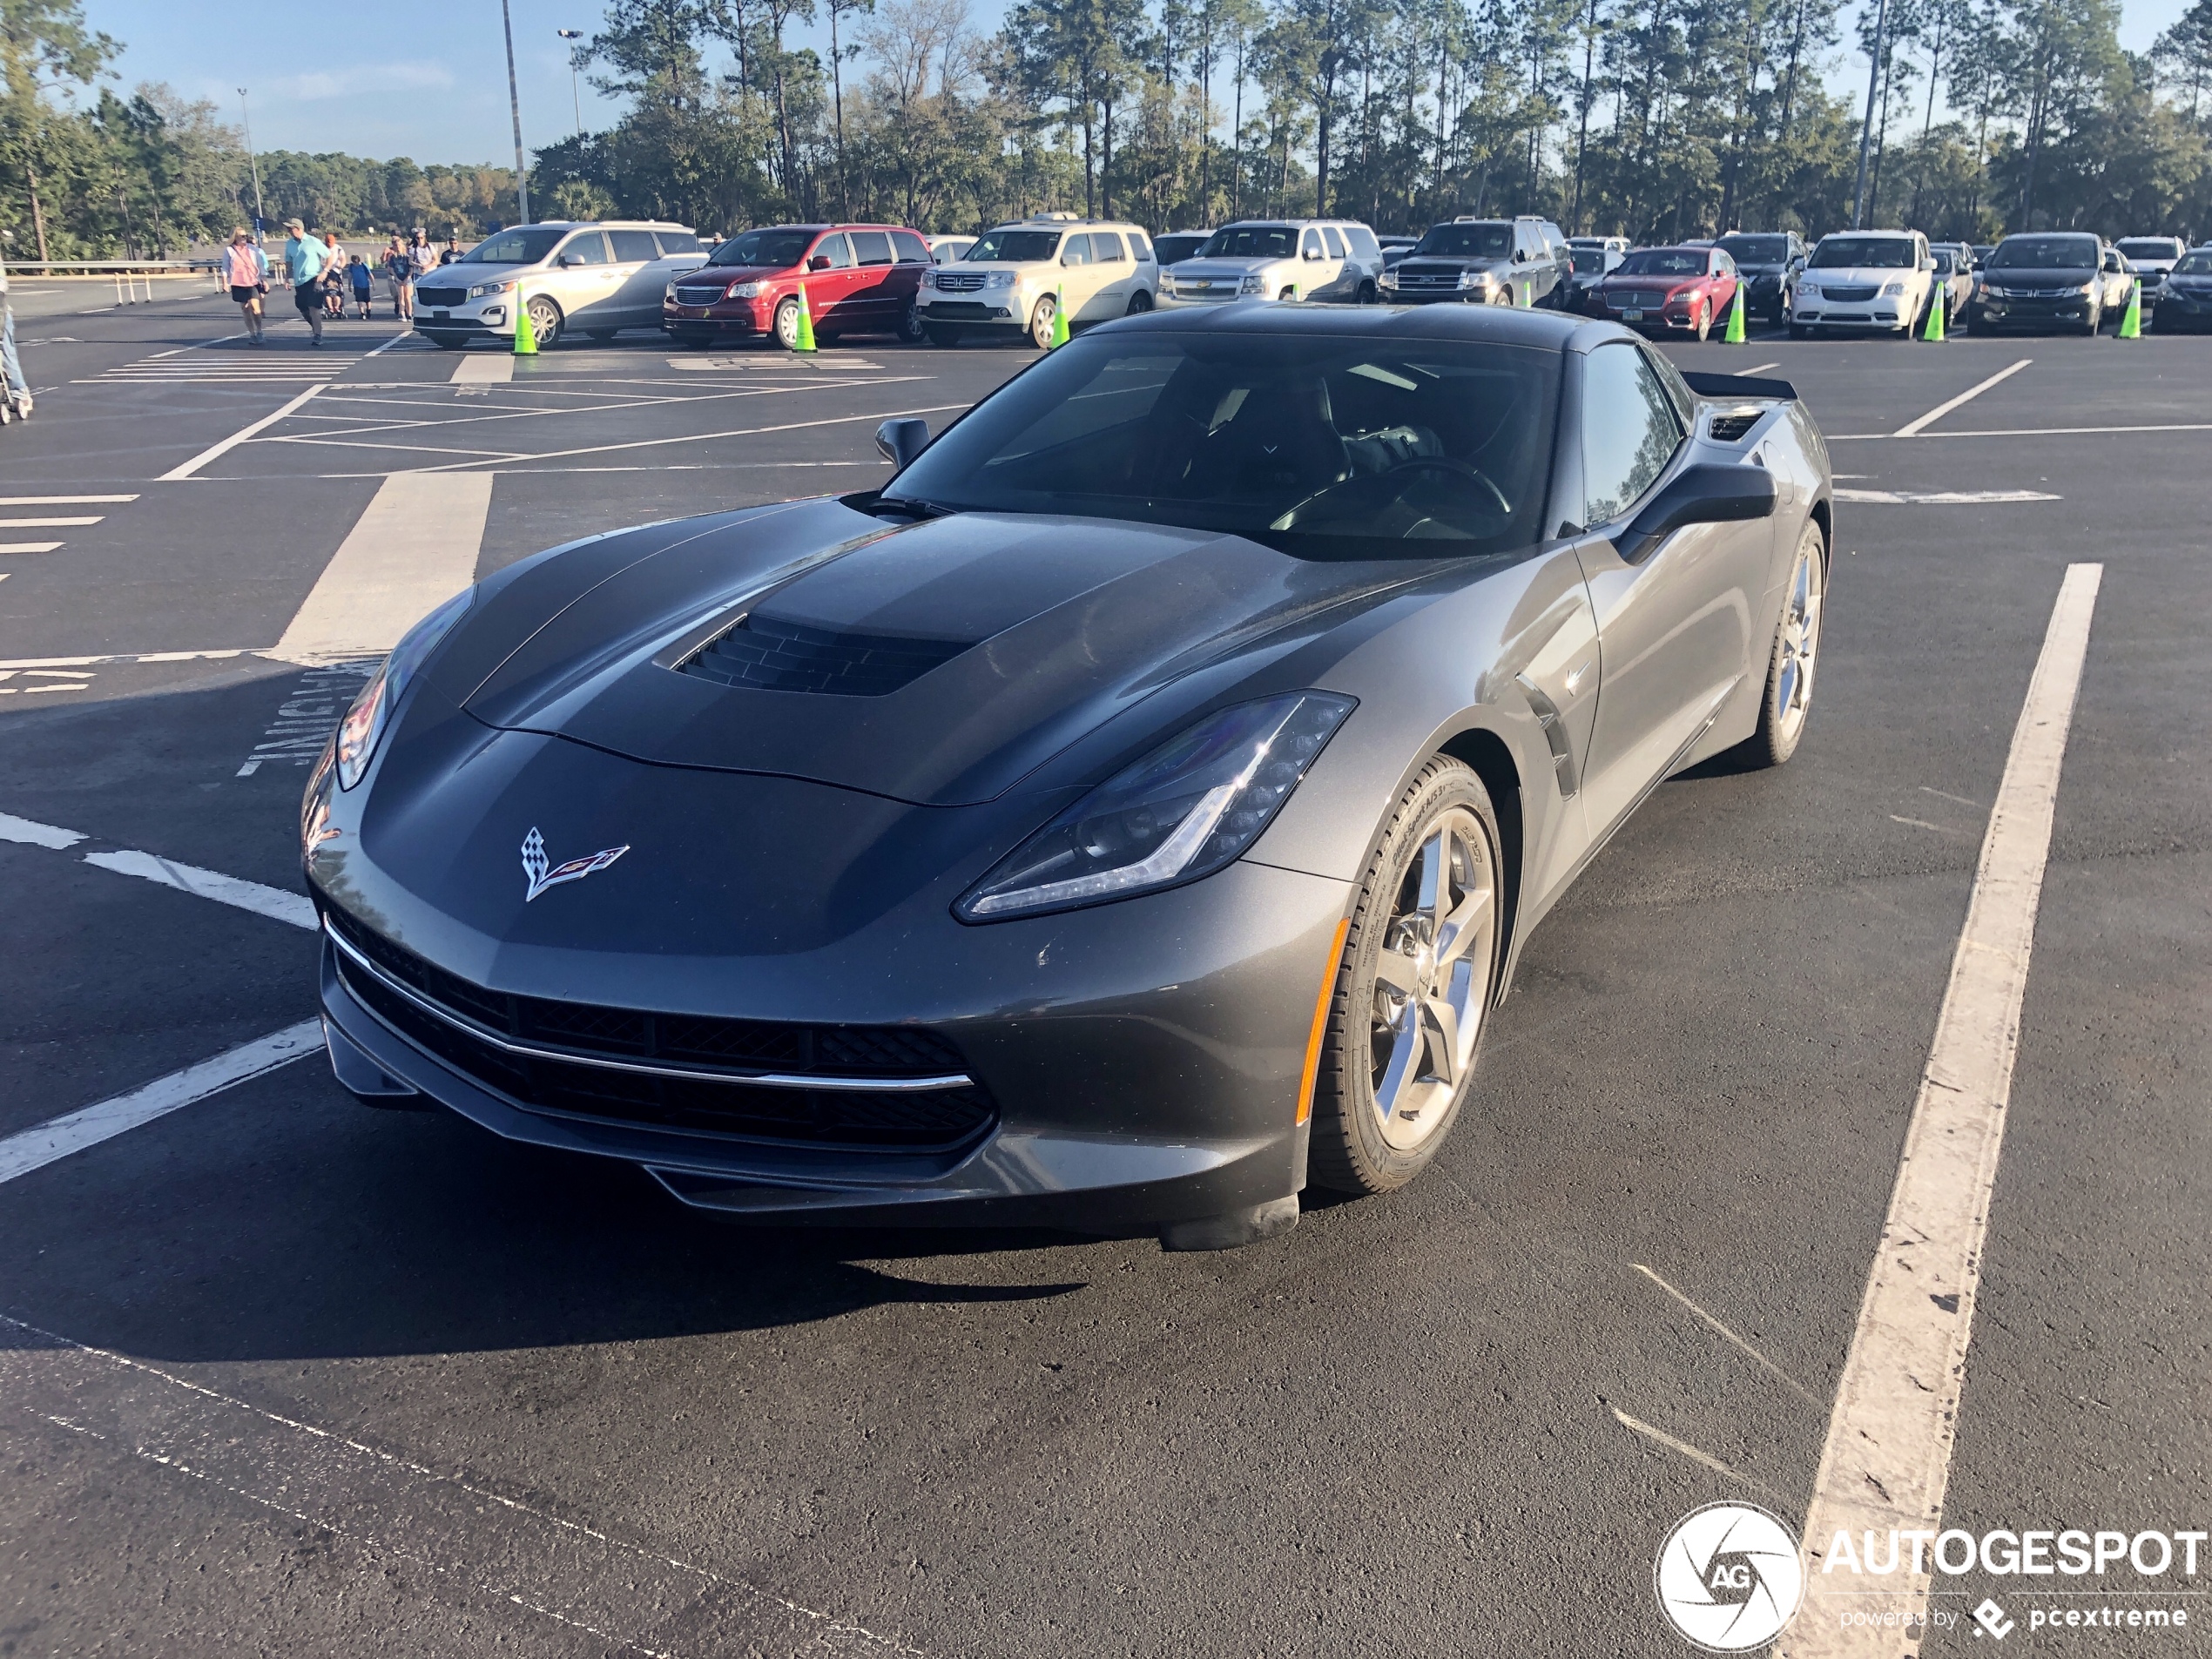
[(1709, 493), (567, 259), (899, 441), (1312, 253), (819, 262)]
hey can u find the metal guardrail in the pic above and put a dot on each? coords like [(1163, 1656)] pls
[(128, 275)]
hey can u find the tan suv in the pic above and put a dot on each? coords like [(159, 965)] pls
[(1013, 279)]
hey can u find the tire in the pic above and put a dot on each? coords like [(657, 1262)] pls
[(600, 334), (1368, 294), (1502, 296), (1139, 303), (1040, 321), (1795, 655), (449, 341), (784, 327), (910, 330), (1705, 321), (2095, 324), (1383, 1047), (546, 321), (1289, 294), (1799, 331), (943, 334)]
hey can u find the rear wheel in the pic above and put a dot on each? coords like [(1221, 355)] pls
[(1413, 991), (1368, 294), (1139, 303), (1796, 653)]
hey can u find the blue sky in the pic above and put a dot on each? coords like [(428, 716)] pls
[(427, 78)]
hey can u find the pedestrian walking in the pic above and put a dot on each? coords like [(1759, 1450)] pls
[(451, 250), (304, 260), (398, 261), (17, 388), (357, 272), (246, 269), (422, 256)]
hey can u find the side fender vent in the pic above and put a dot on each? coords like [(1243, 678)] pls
[(1732, 426), (1548, 717), (774, 656)]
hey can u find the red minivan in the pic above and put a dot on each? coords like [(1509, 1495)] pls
[(859, 279)]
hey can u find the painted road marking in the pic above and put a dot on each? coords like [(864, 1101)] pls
[(305, 720), (1887, 1457), (413, 547), (28, 547), (215, 451), (1942, 497), (26, 832), (46, 680), (484, 368), (59, 501), (708, 437), (46, 523), (34, 1149), (273, 902), (1913, 429), (221, 655), (2029, 432)]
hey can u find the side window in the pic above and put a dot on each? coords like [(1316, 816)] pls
[(1363, 242), (675, 242), (1106, 248), (1629, 431), (912, 249), (872, 247), (633, 246), (1311, 247), (1075, 251), (1335, 242), (585, 247), (1140, 250), (834, 248)]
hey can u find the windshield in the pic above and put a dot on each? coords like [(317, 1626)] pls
[(1251, 242), (1663, 262), (1868, 252), (1319, 447), (2148, 247), (1756, 250), (1589, 259), (775, 248), (2044, 254), (1174, 249), (524, 246), (1014, 247), (2197, 262), (1468, 241)]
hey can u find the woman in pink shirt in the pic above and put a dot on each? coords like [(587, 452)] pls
[(248, 273)]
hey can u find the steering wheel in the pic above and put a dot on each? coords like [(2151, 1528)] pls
[(1459, 468)]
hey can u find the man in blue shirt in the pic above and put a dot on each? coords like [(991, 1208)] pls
[(305, 257)]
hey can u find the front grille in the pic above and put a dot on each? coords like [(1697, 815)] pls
[(919, 1121), (1420, 278), (958, 310), (448, 297), (790, 657), (699, 296), (1634, 299), (960, 282), (1851, 296)]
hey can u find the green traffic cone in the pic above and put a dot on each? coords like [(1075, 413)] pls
[(2131, 322), (525, 335), (1939, 305), (1735, 335), (1059, 317), (806, 340)]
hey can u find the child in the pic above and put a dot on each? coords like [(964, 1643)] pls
[(357, 270)]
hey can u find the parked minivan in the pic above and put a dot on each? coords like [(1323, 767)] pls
[(597, 277), (859, 279)]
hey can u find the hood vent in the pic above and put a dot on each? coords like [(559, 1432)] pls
[(776, 655)]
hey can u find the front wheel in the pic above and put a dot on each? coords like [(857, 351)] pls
[(943, 334), (1797, 652), (911, 331), (1047, 308), (1413, 990), (1705, 322), (545, 322), (448, 341), (785, 324)]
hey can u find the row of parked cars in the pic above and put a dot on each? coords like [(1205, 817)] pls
[(1019, 279)]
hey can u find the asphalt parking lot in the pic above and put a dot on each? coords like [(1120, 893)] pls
[(281, 1374)]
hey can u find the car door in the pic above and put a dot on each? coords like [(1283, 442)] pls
[(1077, 280), (831, 279), (1676, 626), (641, 280), (1724, 281), (583, 280), (1333, 243), (1113, 275), (870, 305), (905, 281)]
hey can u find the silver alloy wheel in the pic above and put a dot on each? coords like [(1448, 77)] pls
[(1432, 980), (545, 320), (1800, 642)]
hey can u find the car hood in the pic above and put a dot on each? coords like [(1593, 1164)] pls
[(1655, 280), (1454, 262), (1212, 266), (1853, 275), (1040, 628), (737, 273), (2038, 277)]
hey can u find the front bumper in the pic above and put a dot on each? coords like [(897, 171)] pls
[(493, 319), (2181, 312), (722, 317), (2071, 309), (1810, 312), (988, 309)]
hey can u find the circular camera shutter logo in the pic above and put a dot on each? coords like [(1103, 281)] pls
[(1730, 1577)]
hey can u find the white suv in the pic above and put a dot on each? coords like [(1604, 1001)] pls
[(598, 277), (1279, 258), (1013, 280), (1865, 279)]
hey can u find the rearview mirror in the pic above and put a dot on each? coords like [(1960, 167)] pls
[(1710, 493), (899, 441)]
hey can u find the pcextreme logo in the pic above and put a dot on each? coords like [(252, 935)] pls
[(1729, 1577)]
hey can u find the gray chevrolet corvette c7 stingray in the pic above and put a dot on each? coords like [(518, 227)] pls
[(1124, 819)]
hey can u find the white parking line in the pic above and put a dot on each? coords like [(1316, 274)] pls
[(216, 451), (1913, 429), (413, 547), (59, 501), (34, 1149), (28, 547), (1887, 1458), (45, 524), (273, 902), (1942, 497), (484, 368), (707, 437)]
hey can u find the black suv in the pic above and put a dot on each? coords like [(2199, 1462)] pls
[(1769, 263), (1483, 261)]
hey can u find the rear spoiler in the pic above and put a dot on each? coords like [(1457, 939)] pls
[(1739, 386)]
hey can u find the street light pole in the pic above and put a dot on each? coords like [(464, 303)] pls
[(574, 92), (252, 161), (1866, 132), (514, 109)]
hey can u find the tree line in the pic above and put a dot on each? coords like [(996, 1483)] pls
[(1657, 119)]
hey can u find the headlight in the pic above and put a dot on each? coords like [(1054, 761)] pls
[(999, 279), (2090, 286), (484, 288), (1167, 283), (1184, 811), (1253, 283), (741, 291), (929, 278), (1388, 279), (1891, 290), (1807, 288), (372, 712), (1474, 278)]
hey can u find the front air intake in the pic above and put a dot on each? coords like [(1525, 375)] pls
[(776, 655)]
